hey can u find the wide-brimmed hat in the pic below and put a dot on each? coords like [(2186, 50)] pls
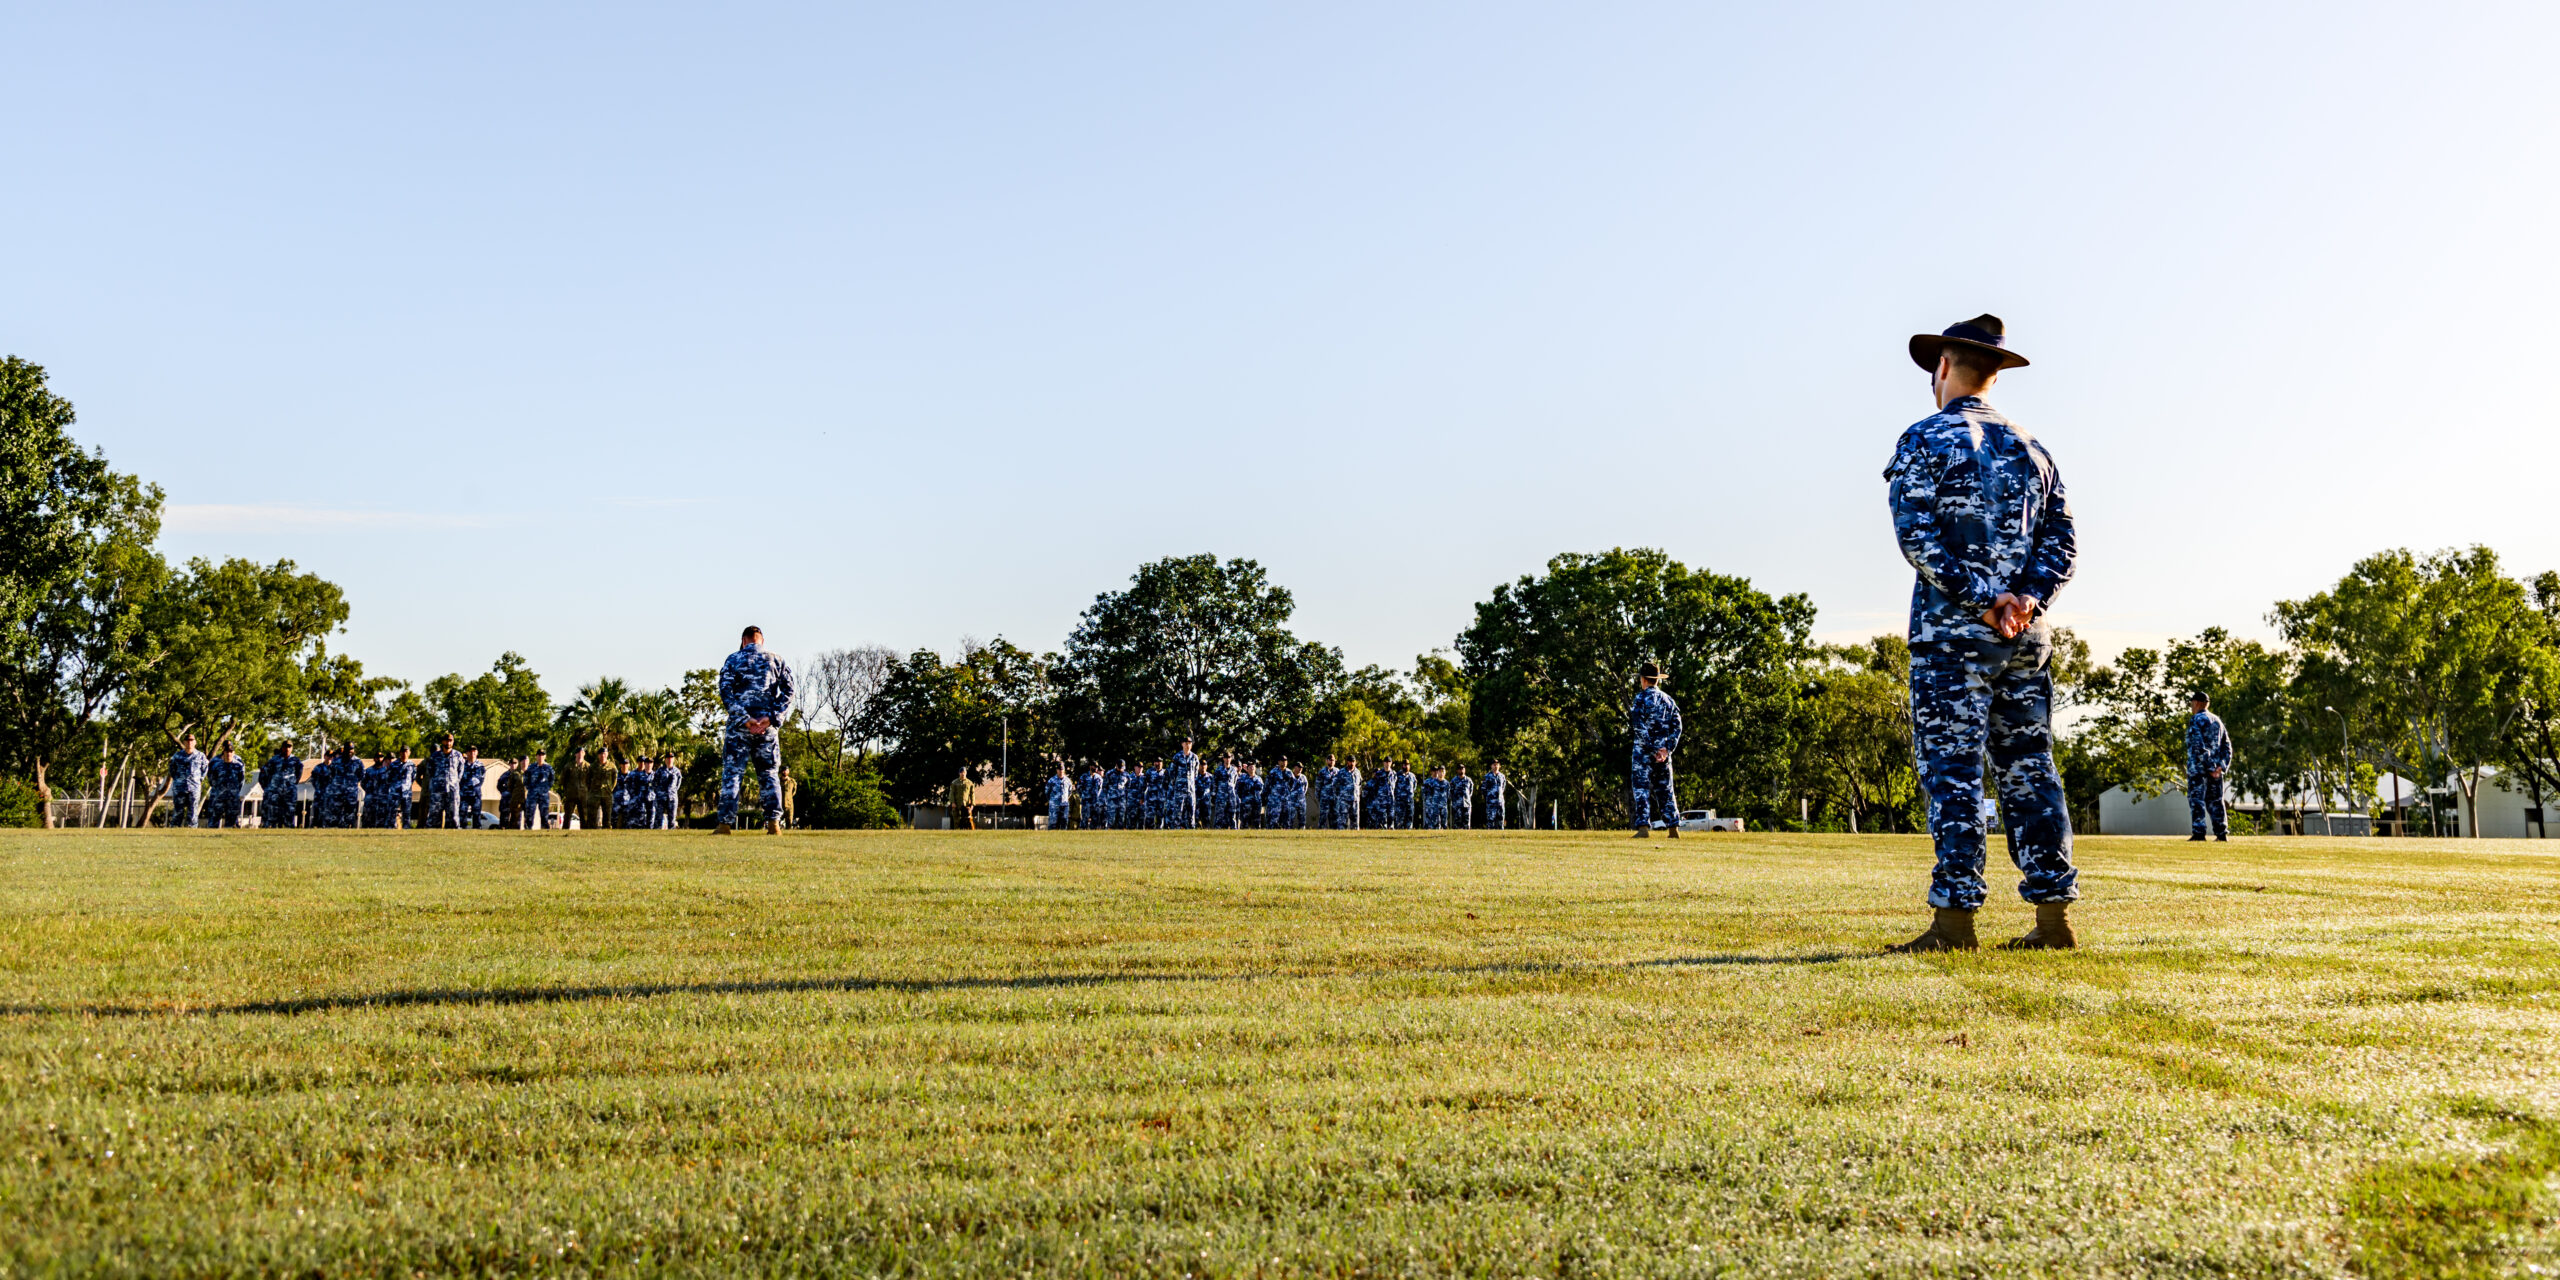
[(1982, 333), (1649, 672)]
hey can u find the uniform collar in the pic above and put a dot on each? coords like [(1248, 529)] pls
[(1968, 404)]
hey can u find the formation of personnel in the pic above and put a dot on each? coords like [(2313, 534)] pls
[(1184, 792), (443, 790)]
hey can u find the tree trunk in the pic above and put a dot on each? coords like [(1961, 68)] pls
[(44, 799)]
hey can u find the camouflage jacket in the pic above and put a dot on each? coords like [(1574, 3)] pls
[(1978, 507)]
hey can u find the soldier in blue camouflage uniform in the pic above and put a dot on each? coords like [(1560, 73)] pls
[(444, 785), (1979, 510), (224, 779), (185, 788), (2208, 758), (316, 813), (279, 785), (345, 802), (402, 776), (1403, 796), (1435, 799), (1089, 797), (669, 791), (1182, 794), (474, 791), (538, 780), (1218, 803), (1378, 806), (372, 808), (1056, 789), (1462, 793), (642, 783), (755, 687), (1248, 802), (1496, 791), (1653, 733)]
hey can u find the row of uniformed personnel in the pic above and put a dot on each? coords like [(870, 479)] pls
[(1185, 792)]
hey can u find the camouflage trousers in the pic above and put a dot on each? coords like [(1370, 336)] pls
[(1969, 695), (183, 802), (2204, 805), (537, 810), (1650, 795), (738, 751), (1493, 812), (1057, 815), (444, 808), (1183, 811), (223, 809)]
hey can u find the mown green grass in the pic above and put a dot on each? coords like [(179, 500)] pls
[(1526, 1053)]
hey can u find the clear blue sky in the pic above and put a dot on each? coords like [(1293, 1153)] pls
[(596, 332)]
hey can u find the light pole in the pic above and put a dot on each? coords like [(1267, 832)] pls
[(2346, 757)]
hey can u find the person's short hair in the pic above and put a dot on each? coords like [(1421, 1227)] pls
[(1972, 360), (750, 634), (2201, 696)]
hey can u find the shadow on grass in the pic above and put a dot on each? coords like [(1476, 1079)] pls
[(793, 986)]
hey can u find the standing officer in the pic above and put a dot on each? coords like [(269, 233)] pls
[(1495, 785), (345, 802), (1184, 786), (1404, 795), (1249, 797), (538, 779), (186, 783), (1979, 510), (602, 778), (670, 780), (474, 791), (1089, 795), (279, 786), (402, 775), (1462, 793), (510, 795), (2208, 758), (1653, 728), (1055, 790), (755, 688), (224, 779), (444, 784)]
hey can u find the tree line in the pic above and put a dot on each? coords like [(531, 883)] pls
[(2439, 668)]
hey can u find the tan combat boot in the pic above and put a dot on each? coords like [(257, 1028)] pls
[(1952, 930), (721, 830), (2052, 931), (772, 828)]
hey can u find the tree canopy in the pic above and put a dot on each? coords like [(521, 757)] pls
[(1551, 664)]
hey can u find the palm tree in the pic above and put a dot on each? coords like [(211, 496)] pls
[(658, 722), (600, 720)]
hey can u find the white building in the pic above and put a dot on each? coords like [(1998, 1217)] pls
[(2507, 811)]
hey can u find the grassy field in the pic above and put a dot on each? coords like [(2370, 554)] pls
[(1526, 1053)]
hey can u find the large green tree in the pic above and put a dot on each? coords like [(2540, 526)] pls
[(503, 711), (1853, 736), (77, 569), (1551, 663), (2435, 654), (941, 720), (228, 651), (1196, 648)]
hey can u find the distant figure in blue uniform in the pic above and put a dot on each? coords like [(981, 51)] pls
[(1653, 729), (755, 689), (2208, 758)]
